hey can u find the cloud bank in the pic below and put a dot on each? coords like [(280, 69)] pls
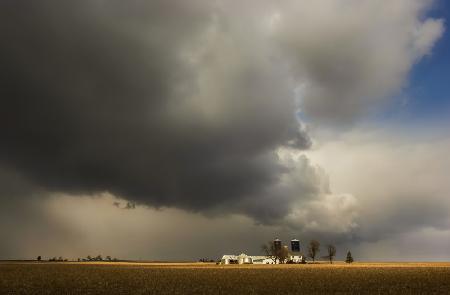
[(195, 104)]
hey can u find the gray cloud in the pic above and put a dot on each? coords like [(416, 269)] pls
[(187, 104), (351, 56), (160, 103), (24, 221)]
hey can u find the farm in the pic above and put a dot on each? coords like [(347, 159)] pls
[(205, 278)]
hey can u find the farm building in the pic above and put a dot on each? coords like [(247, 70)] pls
[(294, 257), (245, 259)]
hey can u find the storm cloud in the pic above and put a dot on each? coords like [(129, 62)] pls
[(187, 104), (101, 97)]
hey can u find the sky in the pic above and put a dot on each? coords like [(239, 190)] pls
[(179, 130)]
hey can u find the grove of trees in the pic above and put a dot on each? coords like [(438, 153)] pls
[(276, 254), (281, 254)]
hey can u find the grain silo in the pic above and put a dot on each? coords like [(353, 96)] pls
[(295, 245), (277, 244)]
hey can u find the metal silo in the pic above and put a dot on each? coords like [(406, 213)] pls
[(295, 245), (277, 244), (241, 258)]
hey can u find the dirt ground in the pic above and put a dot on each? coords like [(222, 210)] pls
[(208, 278)]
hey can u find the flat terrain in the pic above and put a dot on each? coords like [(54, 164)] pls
[(198, 278)]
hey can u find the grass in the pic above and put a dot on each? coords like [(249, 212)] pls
[(183, 278)]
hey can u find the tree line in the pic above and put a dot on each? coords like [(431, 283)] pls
[(88, 258), (282, 254)]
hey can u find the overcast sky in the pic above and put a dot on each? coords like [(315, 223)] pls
[(175, 130)]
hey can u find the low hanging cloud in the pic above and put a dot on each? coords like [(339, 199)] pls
[(187, 104)]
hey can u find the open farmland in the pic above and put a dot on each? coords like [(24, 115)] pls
[(148, 278)]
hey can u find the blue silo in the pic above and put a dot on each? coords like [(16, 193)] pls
[(295, 245)]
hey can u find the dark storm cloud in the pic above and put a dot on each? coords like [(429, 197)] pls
[(192, 104), (114, 96), (23, 220)]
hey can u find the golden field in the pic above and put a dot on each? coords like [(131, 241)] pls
[(203, 278)]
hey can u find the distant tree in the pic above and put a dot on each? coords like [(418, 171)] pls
[(283, 254), (39, 258), (349, 258), (89, 258), (277, 255), (130, 206), (270, 251), (99, 258), (108, 258), (331, 251), (313, 249), (60, 258)]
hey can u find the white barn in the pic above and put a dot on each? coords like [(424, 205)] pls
[(245, 259), (294, 257), (248, 259)]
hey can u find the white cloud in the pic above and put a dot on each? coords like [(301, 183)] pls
[(400, 180), (353, 55)]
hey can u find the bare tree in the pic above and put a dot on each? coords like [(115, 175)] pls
[(331, 251), (276, 254), (284, 254), (313, 249), (270, 251)]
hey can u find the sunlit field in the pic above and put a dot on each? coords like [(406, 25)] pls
[(199, 278)]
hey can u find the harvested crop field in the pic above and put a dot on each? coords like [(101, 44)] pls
[(148, 278)]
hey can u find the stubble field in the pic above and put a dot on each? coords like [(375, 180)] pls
[(151, 278)]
